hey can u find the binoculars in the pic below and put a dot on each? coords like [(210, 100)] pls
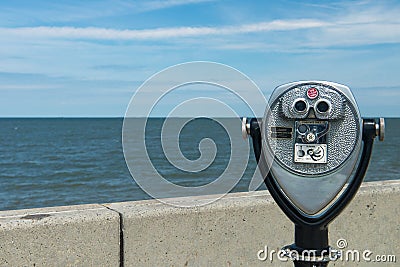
[(313, 148)]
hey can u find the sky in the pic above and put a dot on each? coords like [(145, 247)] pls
[(87, 58)]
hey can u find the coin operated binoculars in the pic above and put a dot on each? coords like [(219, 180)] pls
[(313, 149)]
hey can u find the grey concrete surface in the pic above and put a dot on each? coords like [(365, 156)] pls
[(84, 235), (228, 232), (370, 222), (232, 230)]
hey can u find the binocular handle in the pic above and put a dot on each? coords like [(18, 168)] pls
[(372, 129), (380, 131)]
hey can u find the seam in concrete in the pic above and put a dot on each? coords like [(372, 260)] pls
[(121, 236)]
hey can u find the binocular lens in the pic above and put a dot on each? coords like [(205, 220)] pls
[(300, 105), (323, 106)]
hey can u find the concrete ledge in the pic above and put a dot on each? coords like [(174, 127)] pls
[(228, 232), (371, 222), (231, 231), (84, 235)]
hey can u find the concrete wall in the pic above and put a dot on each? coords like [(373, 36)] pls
[(84, 235), (229, 232)]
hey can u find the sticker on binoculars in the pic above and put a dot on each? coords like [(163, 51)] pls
[(310, 153), (281, 132)]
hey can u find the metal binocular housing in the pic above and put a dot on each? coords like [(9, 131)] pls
[(313, 148)]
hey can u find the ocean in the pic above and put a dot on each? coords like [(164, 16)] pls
[(66, 161)]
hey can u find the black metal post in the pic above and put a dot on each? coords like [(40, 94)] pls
[(311, 238)]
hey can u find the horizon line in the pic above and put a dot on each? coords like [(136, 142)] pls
[(143, 117)]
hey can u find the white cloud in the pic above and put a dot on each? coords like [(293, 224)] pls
[(73, 11), (162, 4), (359, 34), (361, 24), (28, 87), (159, 33), (364, 28)]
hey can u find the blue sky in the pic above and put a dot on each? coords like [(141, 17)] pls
[(87, 58)]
